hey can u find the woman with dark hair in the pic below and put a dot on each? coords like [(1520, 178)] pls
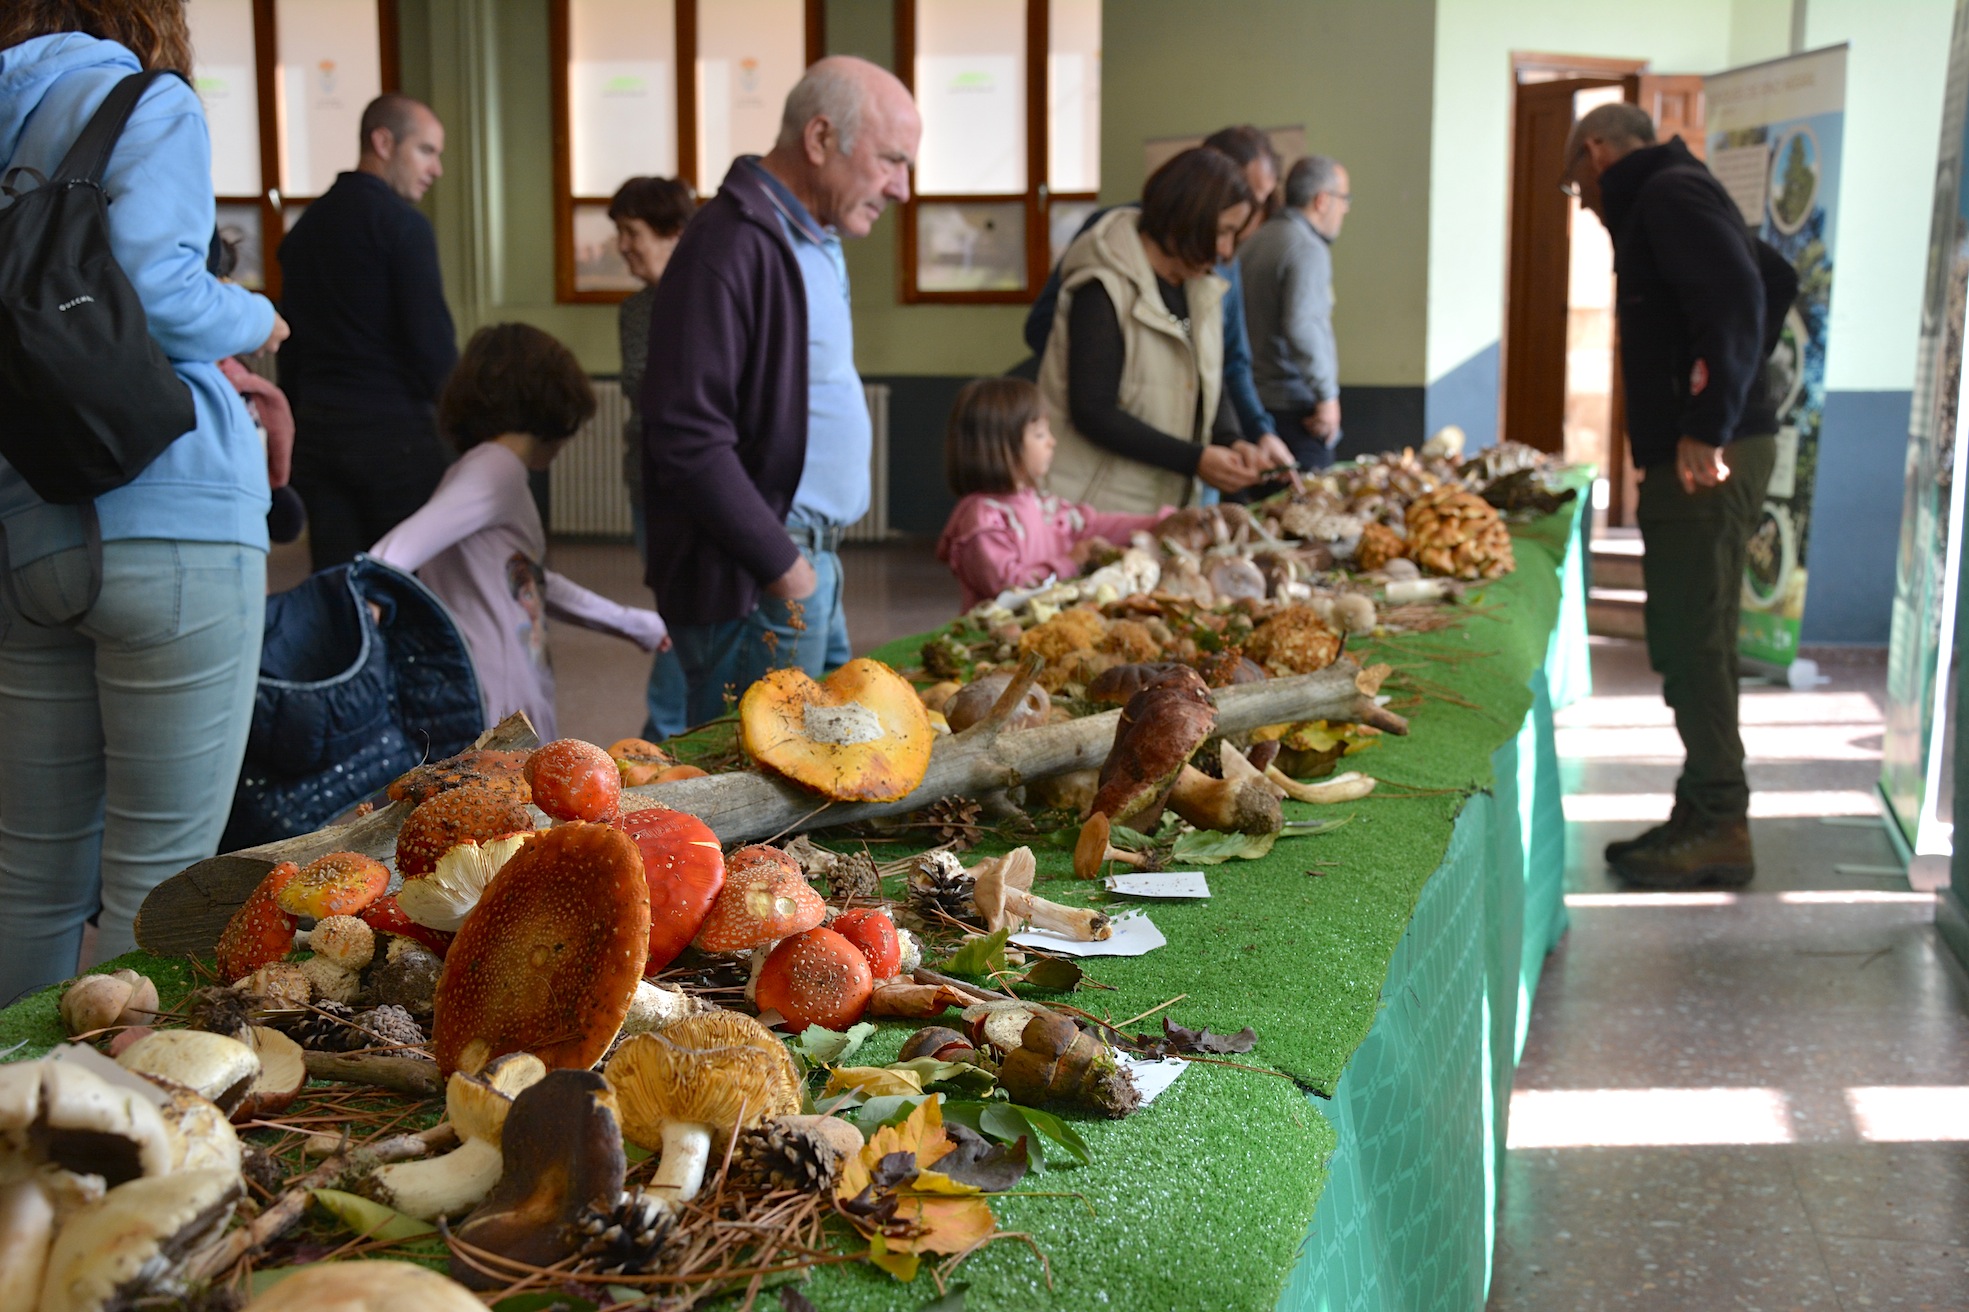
[(649, 214), (1133, 373), (511, 406), (130, 626)]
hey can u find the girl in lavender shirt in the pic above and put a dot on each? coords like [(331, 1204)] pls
[(1006, 532), (511, 406)]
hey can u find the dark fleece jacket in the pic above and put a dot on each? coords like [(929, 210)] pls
[(1691, 304)]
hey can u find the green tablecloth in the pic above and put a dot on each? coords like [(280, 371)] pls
[(1387, 967)]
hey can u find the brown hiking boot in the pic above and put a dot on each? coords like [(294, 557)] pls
[(1700, 854), (1661, 833)]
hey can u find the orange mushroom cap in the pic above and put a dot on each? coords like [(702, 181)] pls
[(470, 814), (574, 780), (503, 772), (685, 868), (871, 930), (639, 760), (259, 932), (548, 961), (816, 977), (764, 898), (862, 735), (339, 884)]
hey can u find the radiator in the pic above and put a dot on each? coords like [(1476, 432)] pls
[(587, 498)]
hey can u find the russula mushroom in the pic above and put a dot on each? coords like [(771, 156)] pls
[(764, 899), (815, 977), (655, 1008), (1058, 1062), (697, 1082), (1160, 728), (64, 1113), (862, 735), (130, 1245), (549, 960), (339, 884), (562, 1151), (283, 1074), (574, 780), (976, 700), (1093, 852), (210, 1065), (871, 930), (365, 1287), (463, 815), (685, 869), (260, 932), (1233, 806), (441, 899), (1004, 898), (96, 1002), (638, 760), (457, 1181)]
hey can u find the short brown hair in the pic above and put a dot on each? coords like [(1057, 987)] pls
[(984, 448), (666, 204), (155, 31), (514, 378), (1182, 199)]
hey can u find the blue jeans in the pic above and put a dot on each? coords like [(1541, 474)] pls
[(666, 695), (126, 724), (1311, 452), (721, 660)]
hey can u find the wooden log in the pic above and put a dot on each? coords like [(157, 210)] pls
[(417, 1076), (186, 913)]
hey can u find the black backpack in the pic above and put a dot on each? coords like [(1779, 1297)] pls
[(87, 398)]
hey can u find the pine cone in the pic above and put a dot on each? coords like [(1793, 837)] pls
[(776, 1155), (324, 1027), (956, 822), (628, 1238), (939, 887), (384, 1027), (855, 877), (220, 1010)]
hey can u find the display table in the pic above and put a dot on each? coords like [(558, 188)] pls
[(1387, 966)]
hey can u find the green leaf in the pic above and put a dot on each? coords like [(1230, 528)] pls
[(1129, 840), (952, 1301), (979, 957), (825, 1047), (1206, 847), (1059, 974), (962, 1074), (889, 1109), (367, 1217), (635, 1152), (1006, 1121)]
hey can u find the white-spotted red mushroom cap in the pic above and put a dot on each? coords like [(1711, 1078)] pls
[(765, 898)]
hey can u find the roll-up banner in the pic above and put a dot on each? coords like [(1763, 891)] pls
[(1774, 133)]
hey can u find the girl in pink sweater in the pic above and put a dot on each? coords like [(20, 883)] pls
[(1006, 532)]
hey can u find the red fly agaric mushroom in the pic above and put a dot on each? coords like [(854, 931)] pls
[(686, 870), (871, 930), (764, 899), (1003, 896), (549, 960), (689, 1088), (861, 735), (815, 977), (339, 884), (573, 780), (470, 814), (443, 898), (386, 916), (260, 932), (503, 772)]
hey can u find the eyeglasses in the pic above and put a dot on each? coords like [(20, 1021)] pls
[(1568, 184), (1344, 197)]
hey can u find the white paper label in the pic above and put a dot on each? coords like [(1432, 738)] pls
[(1134, 934), (1166, 883)]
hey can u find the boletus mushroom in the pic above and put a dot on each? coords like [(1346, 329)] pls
[(96, 1002), (1228, 805), (685, 869), (764, 899), (695, 1084), (366, 1287), (975, 701), (562, 1150), (1058, 1062), (549, 960), (131, 1244), (1004, 898), (861, 735), (477, 1106)]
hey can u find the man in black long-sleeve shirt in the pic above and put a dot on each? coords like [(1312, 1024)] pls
[(373, 341), (1692, 305)]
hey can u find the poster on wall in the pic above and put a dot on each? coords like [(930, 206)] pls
[(1774, 132), (1920, 656)]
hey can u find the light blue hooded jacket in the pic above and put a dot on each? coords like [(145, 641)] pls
[(211, 484)]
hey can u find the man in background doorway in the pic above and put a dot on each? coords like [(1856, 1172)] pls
[(756, 435), (1693, 311), (1288, 298), (373, 341)]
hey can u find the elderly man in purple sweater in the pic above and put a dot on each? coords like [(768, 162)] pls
[(755, 433)]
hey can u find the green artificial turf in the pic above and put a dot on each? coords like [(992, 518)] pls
[(1202, 1200)]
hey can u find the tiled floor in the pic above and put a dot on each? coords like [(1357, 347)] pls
[(1751, 1101)]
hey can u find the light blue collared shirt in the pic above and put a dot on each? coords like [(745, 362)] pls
[(833, 486)]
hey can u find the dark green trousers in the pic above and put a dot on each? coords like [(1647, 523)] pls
[(1694, 546)]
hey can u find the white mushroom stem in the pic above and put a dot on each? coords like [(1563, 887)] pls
[(1083, 923), (686, 1152), (441, 1186), (1348, 787)]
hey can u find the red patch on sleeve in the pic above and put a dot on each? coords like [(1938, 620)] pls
[(1698, 376)]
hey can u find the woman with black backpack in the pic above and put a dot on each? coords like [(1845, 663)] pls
[(133, 578)]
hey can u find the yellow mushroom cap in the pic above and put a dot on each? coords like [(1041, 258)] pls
[(861, 735), (722, 1069)]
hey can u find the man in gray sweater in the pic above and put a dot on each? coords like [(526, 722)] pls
[(1288, 306)]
